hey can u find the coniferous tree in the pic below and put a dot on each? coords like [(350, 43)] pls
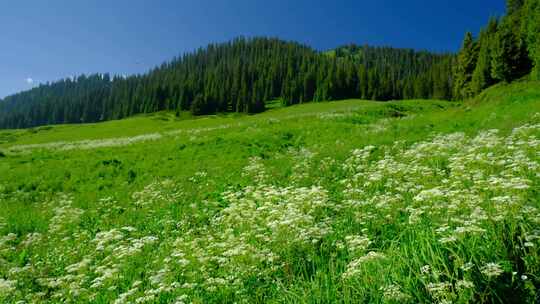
[(513, 6), (506, 54), (482, 78), (362, 82), (198, 106), (465, 66), (531, 33)]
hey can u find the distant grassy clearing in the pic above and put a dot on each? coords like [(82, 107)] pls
[(165, 123)]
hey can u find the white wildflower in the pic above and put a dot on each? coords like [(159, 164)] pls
[(464, 284), (6, 286), (492, 270), (357, 243), (393, 293)]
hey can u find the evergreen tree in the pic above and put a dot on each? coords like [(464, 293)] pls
[(531, 33), (465, 66), (199, 106), (514, 6), (482, 78), (506, 54)]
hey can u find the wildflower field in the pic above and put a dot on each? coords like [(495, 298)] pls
[(344, 202)]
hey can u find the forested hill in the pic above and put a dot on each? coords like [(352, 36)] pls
[(237, 76), (241, 75), (399, 73), (506, 49)]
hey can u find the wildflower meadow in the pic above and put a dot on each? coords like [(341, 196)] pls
[(345, 202)]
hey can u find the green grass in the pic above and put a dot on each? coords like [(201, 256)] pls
[(279, 207)]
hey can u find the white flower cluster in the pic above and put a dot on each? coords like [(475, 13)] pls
[(64, 214), (198, 131), (492, 270), (6, 286), (355, 267), (457, 188), (302, 159), (157, 192), (393, 293), (420, 209), (88, 144), (462, 169), (255, 171)]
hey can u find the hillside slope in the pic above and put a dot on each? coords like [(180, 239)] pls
[(237, 76), (344, 202)]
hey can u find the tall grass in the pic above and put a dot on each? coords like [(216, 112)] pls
[(345, 202)]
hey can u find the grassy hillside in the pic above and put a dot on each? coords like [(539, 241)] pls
[(344, 202)]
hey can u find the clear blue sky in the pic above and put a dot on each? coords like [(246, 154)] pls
[(47, 40)]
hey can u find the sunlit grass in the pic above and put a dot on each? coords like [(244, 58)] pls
[(342, 202)]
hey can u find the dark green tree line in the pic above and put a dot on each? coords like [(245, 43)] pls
[(506, 50), (238, 76)]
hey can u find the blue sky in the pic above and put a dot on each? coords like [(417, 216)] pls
[(48, 40)]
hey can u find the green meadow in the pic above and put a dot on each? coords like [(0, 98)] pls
[(417, 201)]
